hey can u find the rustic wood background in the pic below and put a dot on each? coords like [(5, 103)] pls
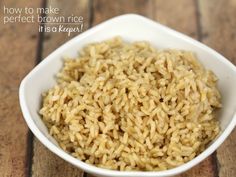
[(212, 22)]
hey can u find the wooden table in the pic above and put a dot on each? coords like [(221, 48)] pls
[(212, 22)]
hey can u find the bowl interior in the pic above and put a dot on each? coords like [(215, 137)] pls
[(130, 28)]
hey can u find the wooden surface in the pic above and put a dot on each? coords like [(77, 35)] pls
[(219, 32), (16, 60), (211, 21)]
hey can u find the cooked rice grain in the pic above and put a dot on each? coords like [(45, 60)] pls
[(128, 106)]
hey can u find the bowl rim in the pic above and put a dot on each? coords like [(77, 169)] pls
[(101, 171)]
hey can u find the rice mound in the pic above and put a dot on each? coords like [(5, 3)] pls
[(129, 106)]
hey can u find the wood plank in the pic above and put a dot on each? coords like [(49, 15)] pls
[(104, 9), (74, 7), (15, 57), (180, 16), (219, 32), (16, 61), (45, 163), (219, 26), (13, 137)]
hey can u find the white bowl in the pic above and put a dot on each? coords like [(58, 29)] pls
[(132, 28)]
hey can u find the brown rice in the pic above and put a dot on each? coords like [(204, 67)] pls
[(128, 106)]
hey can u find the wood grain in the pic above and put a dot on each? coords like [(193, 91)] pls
[(219, 32), (13, 136), (74, 7), (16, 60), (45, 163), (180, 15), (104, 9)]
